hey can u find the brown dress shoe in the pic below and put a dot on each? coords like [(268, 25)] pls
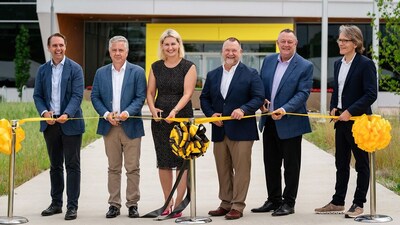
[(218, 212), (233, 215)]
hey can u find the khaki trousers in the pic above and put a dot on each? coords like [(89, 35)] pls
[(121, 149), (233, 161)]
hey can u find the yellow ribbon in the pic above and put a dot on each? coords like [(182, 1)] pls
[(371, 135)]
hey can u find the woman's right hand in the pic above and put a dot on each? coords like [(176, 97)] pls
[(156, 113)]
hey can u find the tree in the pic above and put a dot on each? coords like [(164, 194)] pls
[(389, 47), (21, 60)]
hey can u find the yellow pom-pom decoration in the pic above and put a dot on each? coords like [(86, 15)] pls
[(371, 133), (5, 137), (188, 140)]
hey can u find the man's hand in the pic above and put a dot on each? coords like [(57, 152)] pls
[(218, 123), (237, 114), (277, 114), (265, 107), (49, 115), (62, 119), (112, 119), (123, 116)]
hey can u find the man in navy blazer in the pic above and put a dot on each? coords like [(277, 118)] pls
[(118, 93), (287, 79), (58, 94), (354, 91), (232, 90)]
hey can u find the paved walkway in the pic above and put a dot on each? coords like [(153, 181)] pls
[(316, 188)]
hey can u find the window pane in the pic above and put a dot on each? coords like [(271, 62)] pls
[(97, 36), (309, 46), (18, 12), (7, 53)]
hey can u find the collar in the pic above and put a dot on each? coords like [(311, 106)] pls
[(233, 68), (61, 63), (280, 60), (344, 60), (122, 68)]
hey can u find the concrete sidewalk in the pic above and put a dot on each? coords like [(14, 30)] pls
[(316, 188)]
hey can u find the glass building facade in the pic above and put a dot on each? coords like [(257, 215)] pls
[(206, 55), (13, 14)]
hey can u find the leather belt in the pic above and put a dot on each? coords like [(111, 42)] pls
[(56, 116)]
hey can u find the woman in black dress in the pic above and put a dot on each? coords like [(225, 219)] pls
[(174, 78)]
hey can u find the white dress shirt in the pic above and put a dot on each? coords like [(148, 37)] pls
[(56, 75), (344, 70), (226, 79), (117, 81)]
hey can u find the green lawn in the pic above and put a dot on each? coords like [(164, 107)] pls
[(387, 160), (32, 159)]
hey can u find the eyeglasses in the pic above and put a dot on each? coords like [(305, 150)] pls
[(344, 41)]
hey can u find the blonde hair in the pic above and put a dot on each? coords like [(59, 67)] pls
[(174, 34), (355, 35)]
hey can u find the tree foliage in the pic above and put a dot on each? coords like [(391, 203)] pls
[(389, 48), (21, 60)]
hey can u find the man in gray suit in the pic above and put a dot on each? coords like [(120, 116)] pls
[(119, 91), (287, 79)]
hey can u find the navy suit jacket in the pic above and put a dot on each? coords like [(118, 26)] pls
[(245, 91), (71, 95), (133, 94), (360, 88), (292, 94)]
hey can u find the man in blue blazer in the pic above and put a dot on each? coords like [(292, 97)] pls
[(58, 94), (119, 91), (232, 90), (354, 91), (287, 79)]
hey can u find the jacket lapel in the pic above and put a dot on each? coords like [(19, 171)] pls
[(352, 68), (219, 74), (128, 70), (235, 77), (108, 80), (271, 75), (48, 75), (64, 78)]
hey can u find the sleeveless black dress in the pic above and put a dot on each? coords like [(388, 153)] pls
[(170, 86)]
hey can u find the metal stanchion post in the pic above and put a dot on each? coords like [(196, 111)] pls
[(193, 219), (373, 217), (10, 219)]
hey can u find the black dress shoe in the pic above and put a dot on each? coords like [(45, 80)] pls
[(133, 212), (71, 214), (51, 210), (283, 210), (113, 212), (267, 207)]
